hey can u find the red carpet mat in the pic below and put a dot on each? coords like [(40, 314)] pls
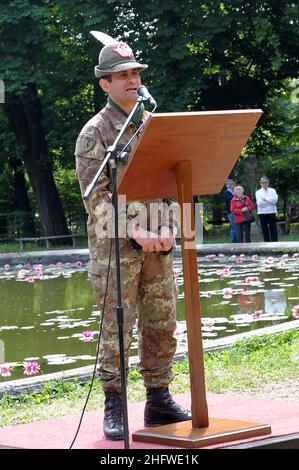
[(282, 416)]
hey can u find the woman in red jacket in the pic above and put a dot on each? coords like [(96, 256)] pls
[(240, 206)]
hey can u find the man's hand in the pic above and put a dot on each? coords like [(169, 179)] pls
[(151, 242), (166, 238), (245, 209)]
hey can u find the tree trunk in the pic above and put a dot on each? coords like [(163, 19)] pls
[(22, 203), (25, 116)]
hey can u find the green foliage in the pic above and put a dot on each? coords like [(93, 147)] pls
[(201, 55), (266, 342), (70, 195), (134, 376)]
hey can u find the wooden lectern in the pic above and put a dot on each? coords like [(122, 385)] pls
[(181, 155)]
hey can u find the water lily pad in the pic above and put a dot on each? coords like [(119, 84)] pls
[(9, 328), (61, 361), (85, 357)]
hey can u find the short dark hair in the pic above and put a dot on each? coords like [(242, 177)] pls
[(108, 78)]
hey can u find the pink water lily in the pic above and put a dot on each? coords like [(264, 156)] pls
[(78, 264), (225, 272), (86, 336), (30, 280), (227, 296), (177, 334), (227, 290), (258, 313), (207, 322), (295, 311), (254, 257), (251, 279), (7, 267), (5, 370), (227, 293), (31, 368), (21, 274), (295, 255)]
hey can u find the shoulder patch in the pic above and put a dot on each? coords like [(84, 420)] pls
[(85, 143)]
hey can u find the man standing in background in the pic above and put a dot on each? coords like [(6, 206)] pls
[(266, 201), (228, 195)]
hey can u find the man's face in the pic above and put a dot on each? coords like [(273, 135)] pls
[(264, 184), (123, 87)]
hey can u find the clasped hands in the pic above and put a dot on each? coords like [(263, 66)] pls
[(152, 242)]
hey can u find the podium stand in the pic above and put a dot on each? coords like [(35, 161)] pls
[(181, 155)]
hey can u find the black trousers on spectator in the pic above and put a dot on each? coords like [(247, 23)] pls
[(268, 226), (240, 229)]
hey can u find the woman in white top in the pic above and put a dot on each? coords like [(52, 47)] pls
[(266, 201)]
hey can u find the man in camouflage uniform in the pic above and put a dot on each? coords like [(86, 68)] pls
[(148, 287)]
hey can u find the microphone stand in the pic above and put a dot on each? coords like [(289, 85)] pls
[(113, 158)]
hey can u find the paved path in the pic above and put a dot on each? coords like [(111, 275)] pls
[(73, 255), (58, 433)]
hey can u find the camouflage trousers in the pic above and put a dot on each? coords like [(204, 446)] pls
[(149, 295)]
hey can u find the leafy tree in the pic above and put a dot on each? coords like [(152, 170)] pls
[(201, 55), (26, 47)]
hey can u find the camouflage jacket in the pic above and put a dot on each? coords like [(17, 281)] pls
[(93, 140)]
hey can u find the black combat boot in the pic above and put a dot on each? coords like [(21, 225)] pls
[(113, 422), (160, 408)]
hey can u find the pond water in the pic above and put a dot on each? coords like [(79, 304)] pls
[(45, 309)]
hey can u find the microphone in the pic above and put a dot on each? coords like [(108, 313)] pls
[(146, 96)]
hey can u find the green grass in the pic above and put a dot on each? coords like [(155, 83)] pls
[(249, 364)]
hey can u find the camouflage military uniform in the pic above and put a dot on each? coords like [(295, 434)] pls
[(148, 287)]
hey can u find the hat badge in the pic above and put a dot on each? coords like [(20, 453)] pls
[(123, 50)]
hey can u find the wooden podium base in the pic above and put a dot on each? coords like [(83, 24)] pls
[(183, 435)]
